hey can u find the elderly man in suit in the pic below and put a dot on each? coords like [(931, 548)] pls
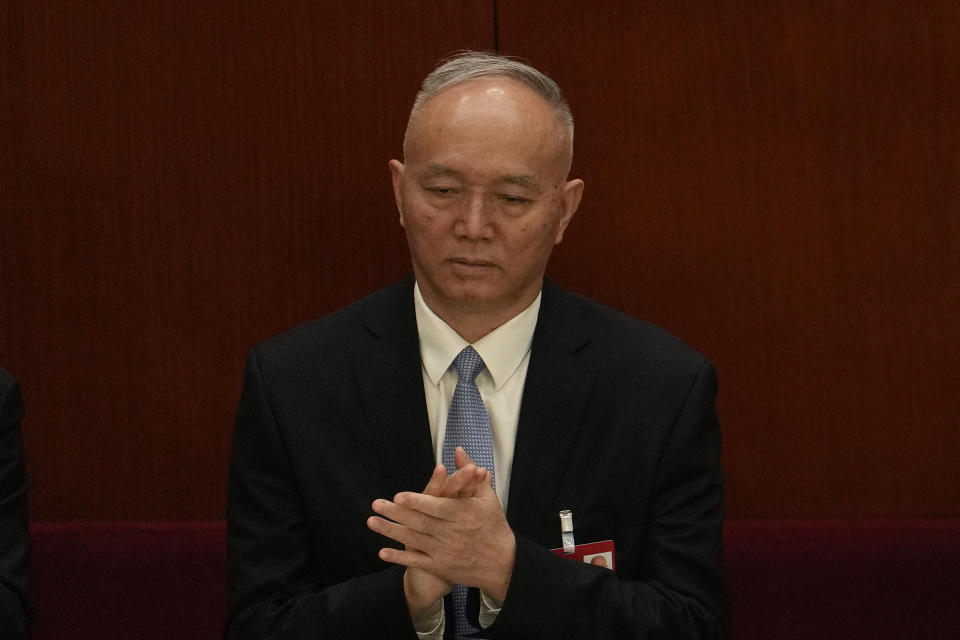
[(399, 466)]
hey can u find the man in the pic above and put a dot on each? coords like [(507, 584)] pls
[(14, 535), (575, 407)]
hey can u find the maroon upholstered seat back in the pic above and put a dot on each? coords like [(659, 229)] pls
[(124, 581), (849, 579), (788, 579)]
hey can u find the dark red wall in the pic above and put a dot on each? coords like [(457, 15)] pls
[(779, 186)]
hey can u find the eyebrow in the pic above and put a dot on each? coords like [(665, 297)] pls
[(525, 181), (440, 170)]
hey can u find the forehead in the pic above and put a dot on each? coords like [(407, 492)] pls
[(486, 117)]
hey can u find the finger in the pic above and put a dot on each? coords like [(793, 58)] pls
[(435, 507), (460, 457), (411, 539), (485, 489), (479, 476), (403, 514), (460, 484), (437, 479), (407, 558)]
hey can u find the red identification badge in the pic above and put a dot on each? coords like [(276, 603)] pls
[(595, 553)]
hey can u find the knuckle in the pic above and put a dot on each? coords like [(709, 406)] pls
[(423, 524)]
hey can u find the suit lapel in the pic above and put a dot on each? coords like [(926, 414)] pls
[(558, 381), (391, 383), (556, 388)]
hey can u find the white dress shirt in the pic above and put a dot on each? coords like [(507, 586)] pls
[(506, 354)]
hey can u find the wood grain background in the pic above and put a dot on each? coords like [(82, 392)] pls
[(776, 182)]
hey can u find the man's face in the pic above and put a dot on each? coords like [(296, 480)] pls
[(483, 197)]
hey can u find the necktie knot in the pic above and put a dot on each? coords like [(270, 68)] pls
[(469, 364)]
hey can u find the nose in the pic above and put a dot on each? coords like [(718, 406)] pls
[(475, 220)]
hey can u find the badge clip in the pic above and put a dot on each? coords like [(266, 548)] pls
[(566, 531)]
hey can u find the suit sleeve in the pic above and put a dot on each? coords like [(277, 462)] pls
[(14, 534), (679, 592), (277, 584)]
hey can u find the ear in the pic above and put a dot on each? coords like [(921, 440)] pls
[(569, 202), (396, 175)]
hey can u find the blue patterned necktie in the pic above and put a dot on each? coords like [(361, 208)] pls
[(468, 426)]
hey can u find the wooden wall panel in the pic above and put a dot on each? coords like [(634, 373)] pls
[(777, 183), (180, 180)]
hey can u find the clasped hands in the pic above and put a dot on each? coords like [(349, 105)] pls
[(455, 532)]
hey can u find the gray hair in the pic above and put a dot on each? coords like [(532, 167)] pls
[(465, 66)]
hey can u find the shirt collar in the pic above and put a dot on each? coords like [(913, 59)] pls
[(502, 349)]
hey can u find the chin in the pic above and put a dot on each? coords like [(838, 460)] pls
[(470, 296)]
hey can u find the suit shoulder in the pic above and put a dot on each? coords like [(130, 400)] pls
[(622, 338), (336, 335)]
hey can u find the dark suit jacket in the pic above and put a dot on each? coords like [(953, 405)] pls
[(14, 536), (617, 423)]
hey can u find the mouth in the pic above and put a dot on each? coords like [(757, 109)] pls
[(471, 265), (472, 262)]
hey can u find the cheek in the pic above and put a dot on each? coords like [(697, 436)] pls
[(533, 234), (424, 230), (419, 217)]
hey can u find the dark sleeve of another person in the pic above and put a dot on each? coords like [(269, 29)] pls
[(14, 536)]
